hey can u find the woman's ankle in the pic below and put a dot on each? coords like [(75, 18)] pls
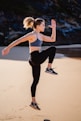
[(33, 100), (49, 65)]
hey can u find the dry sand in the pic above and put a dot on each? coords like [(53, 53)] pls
[(58, 96)]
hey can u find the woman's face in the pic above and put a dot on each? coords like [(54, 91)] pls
[(41, 27)]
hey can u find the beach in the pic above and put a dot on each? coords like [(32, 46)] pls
[(58, 96)]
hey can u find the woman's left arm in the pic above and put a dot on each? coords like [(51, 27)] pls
[(53, 35)]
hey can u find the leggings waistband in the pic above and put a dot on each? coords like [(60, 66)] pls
[(34, 52)]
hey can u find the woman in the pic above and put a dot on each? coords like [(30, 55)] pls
[(35, 39)]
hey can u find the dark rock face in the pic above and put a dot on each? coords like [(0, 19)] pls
[(67, 14)]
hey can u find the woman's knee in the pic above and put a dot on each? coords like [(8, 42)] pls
[(53, 48)]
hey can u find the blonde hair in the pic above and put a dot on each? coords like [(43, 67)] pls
[(27, 22), (31, 22)]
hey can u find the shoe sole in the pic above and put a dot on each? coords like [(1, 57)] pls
[(34, 107)]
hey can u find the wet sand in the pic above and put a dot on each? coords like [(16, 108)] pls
[(59, 97)]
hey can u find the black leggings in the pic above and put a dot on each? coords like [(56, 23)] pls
[(36, 59)]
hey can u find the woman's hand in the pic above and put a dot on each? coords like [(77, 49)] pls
[(5, 51), (53, 24)]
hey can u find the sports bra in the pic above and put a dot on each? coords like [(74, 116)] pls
[(37, 43)]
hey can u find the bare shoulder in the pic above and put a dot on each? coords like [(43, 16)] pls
[(30, 36), (46, 38), (42, 36)]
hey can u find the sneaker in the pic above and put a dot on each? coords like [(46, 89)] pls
[(51, 71), (34, 105)]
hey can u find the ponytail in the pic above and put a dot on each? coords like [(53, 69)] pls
[(28, 22)]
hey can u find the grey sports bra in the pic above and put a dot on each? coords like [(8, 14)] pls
[(37, 43)]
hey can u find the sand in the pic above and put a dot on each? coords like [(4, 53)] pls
[(59, 96)]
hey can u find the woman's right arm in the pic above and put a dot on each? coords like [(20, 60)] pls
[(53, 35), (27, 37)]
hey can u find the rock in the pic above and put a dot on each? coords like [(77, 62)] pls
[(2, 39), (67, 14)]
